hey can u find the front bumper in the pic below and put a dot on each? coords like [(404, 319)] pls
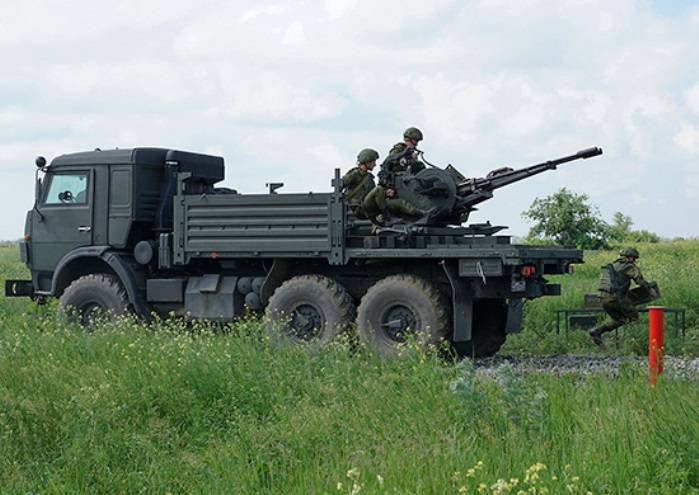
[(19, 288)]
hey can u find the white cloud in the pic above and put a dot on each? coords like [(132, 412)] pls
[(253, 13), (688, 139), (294, 34), (691, 96), (691, 183), (289, 90)]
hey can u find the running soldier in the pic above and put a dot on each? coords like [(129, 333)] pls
[(614, 287)]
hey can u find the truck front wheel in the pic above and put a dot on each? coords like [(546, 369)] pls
[(399, 308), (92, 296), (309, 310)]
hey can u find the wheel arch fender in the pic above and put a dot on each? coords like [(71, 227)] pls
[(102, 259)]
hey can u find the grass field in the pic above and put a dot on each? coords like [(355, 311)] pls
[(674, 265), (128, 409)]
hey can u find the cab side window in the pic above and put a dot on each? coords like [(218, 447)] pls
[(66, 189)]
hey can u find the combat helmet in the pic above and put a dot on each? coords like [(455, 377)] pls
[(367, 155), (413, 133), (629, 252)]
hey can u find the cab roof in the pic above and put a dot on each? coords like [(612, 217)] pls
[(204, 166), (154, 156)]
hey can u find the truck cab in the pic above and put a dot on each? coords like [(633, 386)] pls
[(91, 203)]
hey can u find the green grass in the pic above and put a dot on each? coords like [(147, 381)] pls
[(674, 265), (128, 409)]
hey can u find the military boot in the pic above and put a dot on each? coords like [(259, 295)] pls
[(596, 336)]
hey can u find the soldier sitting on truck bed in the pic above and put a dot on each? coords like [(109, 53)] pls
[(400, 159), (614, 287), (359, 181), (381, 204)]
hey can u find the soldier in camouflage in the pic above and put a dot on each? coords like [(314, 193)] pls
[(397, 159), (381, 204), (614, 287), (359, 181)]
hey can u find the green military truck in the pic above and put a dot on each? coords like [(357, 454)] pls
[(147, 231)]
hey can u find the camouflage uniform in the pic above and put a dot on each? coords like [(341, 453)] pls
[(356, 184), (399, 159), (615, 300), (394, 164), (359, 181), (378, 206)]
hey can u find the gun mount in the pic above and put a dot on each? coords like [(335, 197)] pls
[(449, 197)]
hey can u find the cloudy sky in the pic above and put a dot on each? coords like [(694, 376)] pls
[(289, 90)]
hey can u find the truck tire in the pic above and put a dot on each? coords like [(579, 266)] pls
[(91, 296), (399, 307), (309, 310), (488, 334)]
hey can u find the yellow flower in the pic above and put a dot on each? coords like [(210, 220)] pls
[(463, 489), (353, 473), (470, 473), (339, 485), (379, 478)]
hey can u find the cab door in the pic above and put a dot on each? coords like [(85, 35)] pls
[(64, 220)]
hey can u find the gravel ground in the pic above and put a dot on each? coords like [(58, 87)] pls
[(584, 365)]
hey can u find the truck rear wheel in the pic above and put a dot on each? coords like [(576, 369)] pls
[(92, 296), (398, 308), (309, 310), (488, 334)]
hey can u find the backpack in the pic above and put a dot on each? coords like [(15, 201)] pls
[(610, 281)]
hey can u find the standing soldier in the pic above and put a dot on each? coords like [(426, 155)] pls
[(400, 159), (614, 287), (359, 181)]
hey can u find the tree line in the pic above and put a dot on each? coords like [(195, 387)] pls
[(567, 218)]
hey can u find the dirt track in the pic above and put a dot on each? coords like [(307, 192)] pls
[(585, 365)]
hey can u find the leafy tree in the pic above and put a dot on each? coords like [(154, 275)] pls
[(620, 231), (620, 227), (641, 236), (566, 218)]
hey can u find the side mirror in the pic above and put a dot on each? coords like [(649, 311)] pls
[(66, 197), (40, 162)]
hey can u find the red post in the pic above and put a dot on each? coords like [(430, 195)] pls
[(656, 344)]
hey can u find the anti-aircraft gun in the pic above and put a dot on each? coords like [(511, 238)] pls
[(448, 197)]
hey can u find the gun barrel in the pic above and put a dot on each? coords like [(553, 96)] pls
[(474, 191), (589, 152)]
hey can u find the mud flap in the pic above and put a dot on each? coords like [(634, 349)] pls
[(462, 303), (515, 308)]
